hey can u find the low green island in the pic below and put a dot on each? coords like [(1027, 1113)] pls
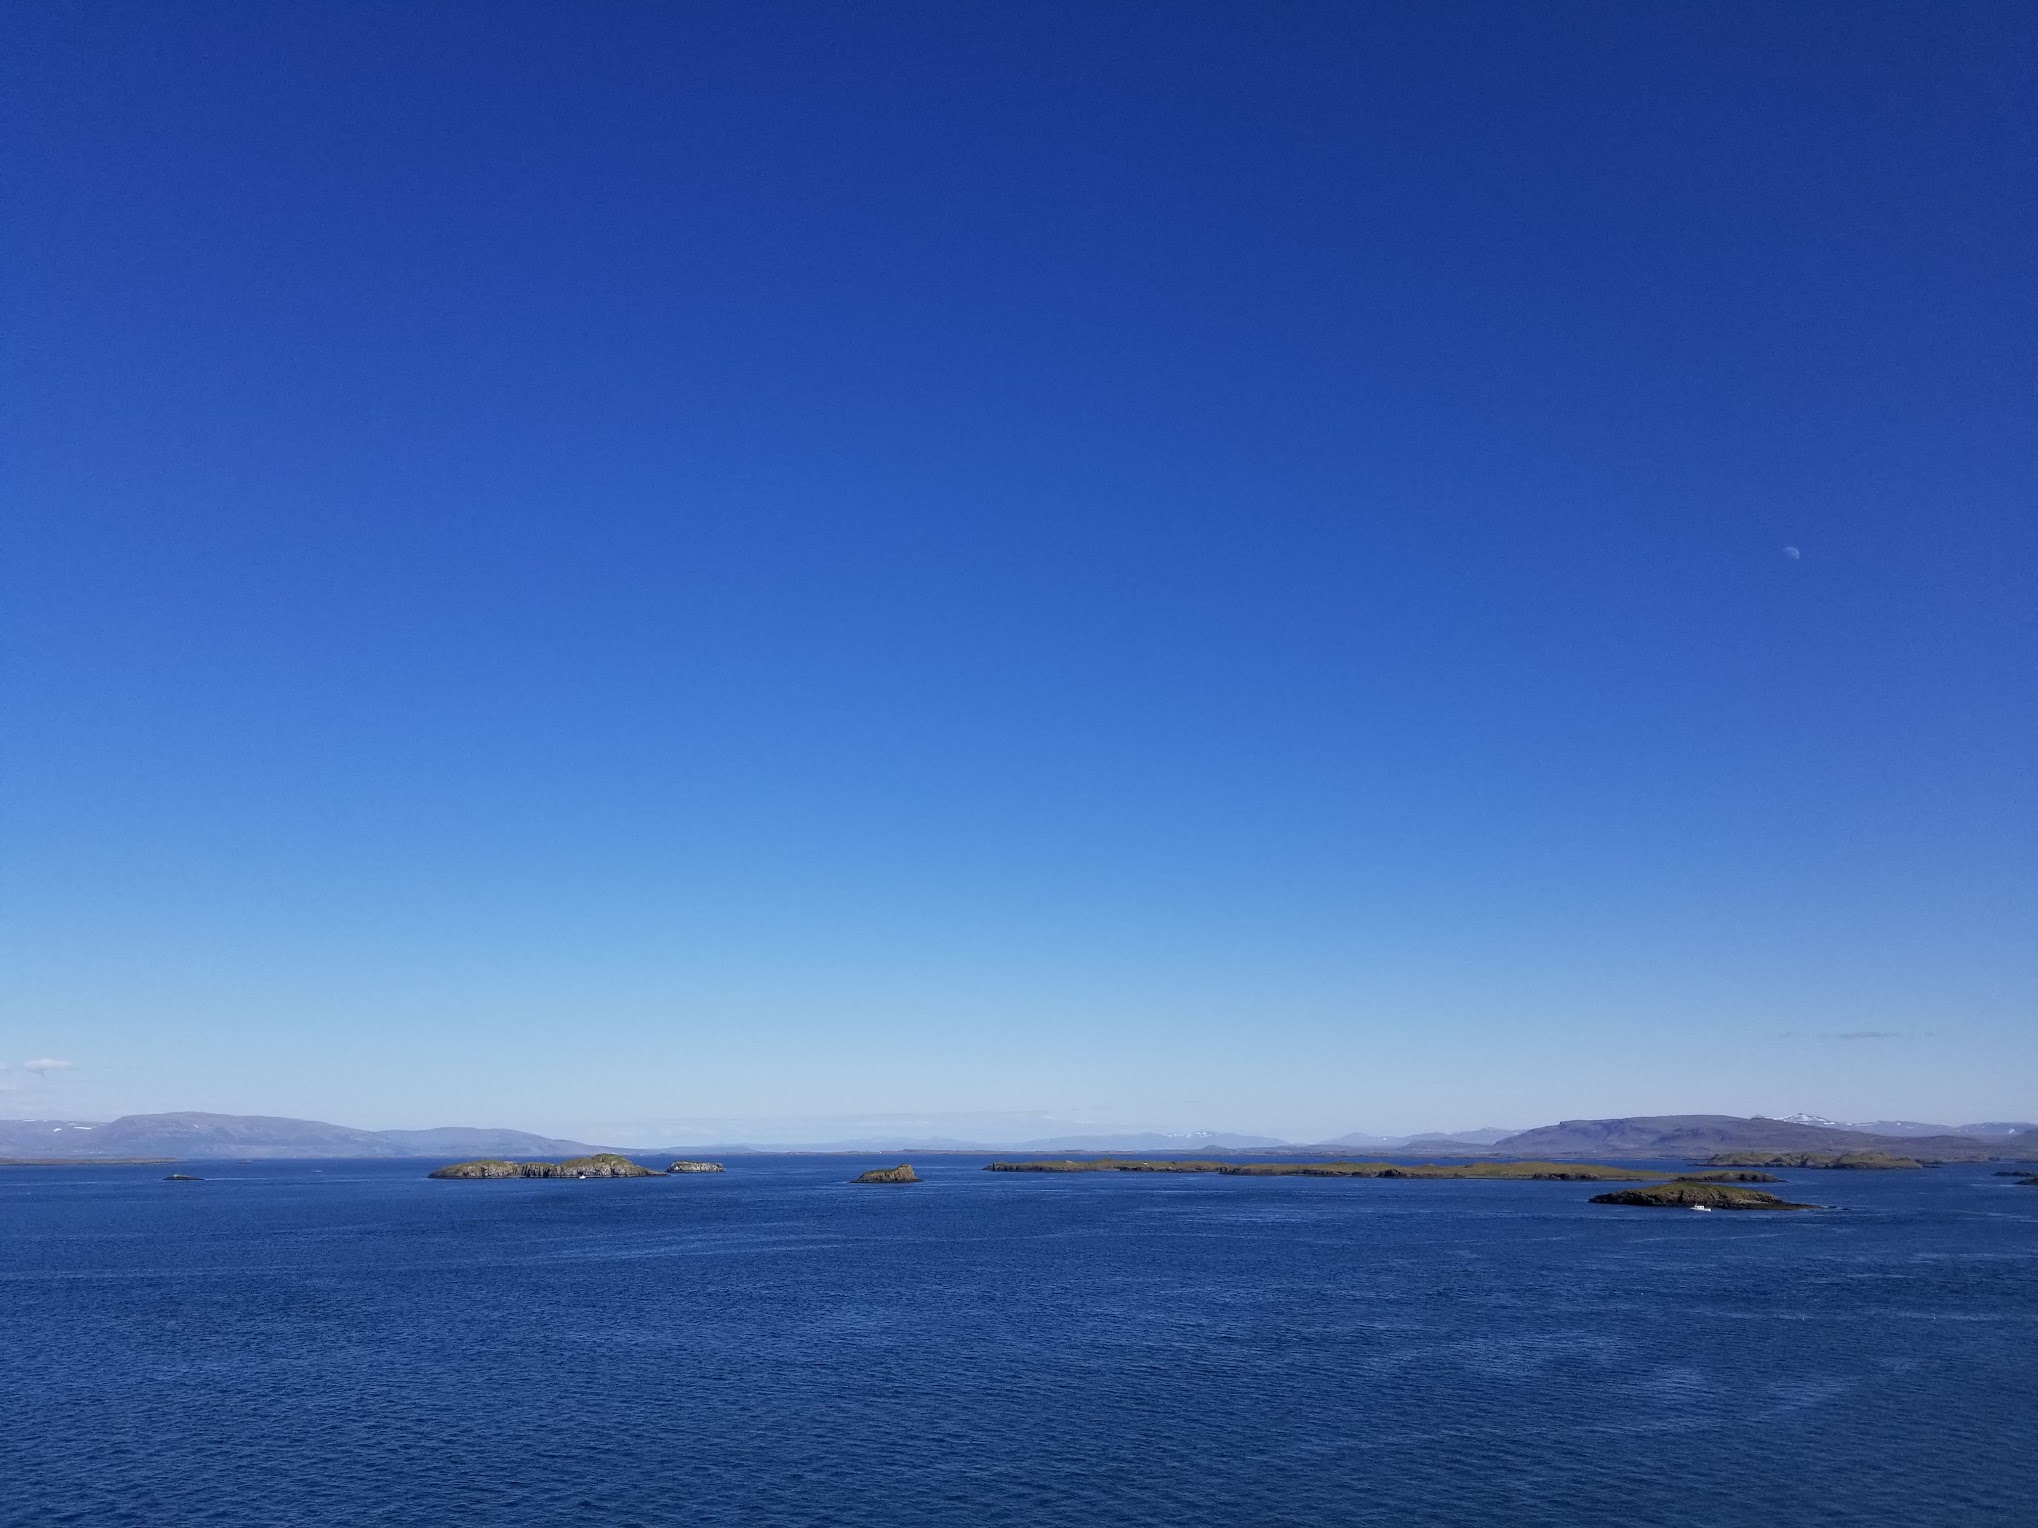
[(1554, 1172), (1861, 1160), (1699, 1194), (603, 1164)]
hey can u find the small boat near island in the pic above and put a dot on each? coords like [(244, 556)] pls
[(1702, 1209)]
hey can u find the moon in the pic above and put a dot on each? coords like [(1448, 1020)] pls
[(1792, 553)]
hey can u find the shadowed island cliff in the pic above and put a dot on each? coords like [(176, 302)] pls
[(603, 1164), (1558, 1172), (1699, 1194)]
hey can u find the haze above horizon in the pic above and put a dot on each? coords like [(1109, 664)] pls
[(1281, 569)]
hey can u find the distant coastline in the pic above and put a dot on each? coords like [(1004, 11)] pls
[(1698, 1138)]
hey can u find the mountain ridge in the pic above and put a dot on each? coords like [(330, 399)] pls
[(1667, 1135), (198, 1135)]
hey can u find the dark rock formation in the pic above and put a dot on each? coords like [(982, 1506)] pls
[(1685, 1194), (903, 1173), (695, 1167), (182, 1178), (603, 1164)]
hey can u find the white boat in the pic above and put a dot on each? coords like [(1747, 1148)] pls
[(1703, 1209)]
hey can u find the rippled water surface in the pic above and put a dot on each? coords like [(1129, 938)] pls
[(348, 1343)]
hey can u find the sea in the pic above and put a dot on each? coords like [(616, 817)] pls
[(351, 1343)]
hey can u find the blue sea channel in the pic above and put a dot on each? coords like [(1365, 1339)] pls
[(348, 1343)]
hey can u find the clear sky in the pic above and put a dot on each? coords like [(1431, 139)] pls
[(592, 567)]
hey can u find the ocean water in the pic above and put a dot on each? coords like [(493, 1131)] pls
[(348, 1343)]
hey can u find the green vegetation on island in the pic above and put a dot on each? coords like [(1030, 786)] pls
[(903, 1173), (603, 1164), (1557, 1172), (1865, 1160), (1698, 1194)]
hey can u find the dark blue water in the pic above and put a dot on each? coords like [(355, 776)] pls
[(344, 1343)]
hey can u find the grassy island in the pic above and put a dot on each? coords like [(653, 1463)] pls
[(1558, 1172), (603, 1164), (1697, 1194), (1867, 1160)]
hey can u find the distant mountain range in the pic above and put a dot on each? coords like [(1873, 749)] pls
[(257, 1135), (1675, 1135), (192, 1135), (1991, 1127), (1433, 1140)]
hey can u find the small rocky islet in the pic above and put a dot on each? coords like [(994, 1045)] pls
[(903, 1173), (603, 1164)]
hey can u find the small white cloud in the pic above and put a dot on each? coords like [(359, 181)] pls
[(46, 1065)]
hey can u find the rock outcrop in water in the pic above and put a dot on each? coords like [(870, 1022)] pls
[(695, 1167), (903, 1173), (603, 1164), (1691, 1194)]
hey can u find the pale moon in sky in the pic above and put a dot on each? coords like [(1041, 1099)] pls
[(1792, 553)]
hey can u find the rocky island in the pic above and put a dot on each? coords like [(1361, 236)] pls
[(1557, 1172), (903, 1173), (695, 1167), (1699, 1194), (1866, 1160), (603, 1164)]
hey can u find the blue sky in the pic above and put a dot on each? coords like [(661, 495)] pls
[(1181, 565)]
